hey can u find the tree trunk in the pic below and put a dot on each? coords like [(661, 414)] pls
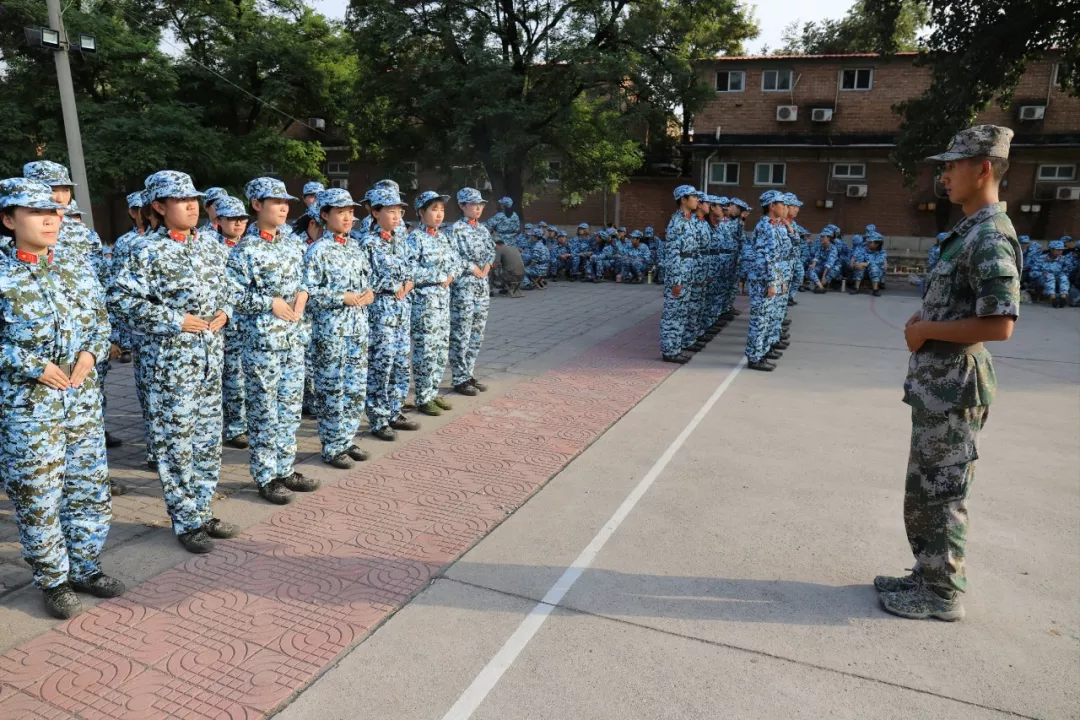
[(507, 181)]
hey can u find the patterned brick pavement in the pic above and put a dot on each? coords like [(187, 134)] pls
[(235, 633)]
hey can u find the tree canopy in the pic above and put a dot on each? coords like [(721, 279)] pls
[(857, 32)]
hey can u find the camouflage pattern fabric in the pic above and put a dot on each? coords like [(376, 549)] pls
[(695, 320), (978, 141), (602, 261), (727, 248), (392, 265), (166, 276), (877, 264), (233, 397), (636, 262), (269, 264), (469, 299), (799, 253), (978, 275), (941, 469), (778, 304), (505, 225), (437, 260), (678, 246), (761, 274), (52, 443), (537, 264)]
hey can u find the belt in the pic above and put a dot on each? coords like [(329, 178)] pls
[(709, 252), (205, 318), (687, 255), (941, 347), (66, 368)]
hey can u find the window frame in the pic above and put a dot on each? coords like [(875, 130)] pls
[(855, 87), (725, 164), (790, 80), (1058, 166), (558, 171), (771, 183), (716, 81), (848, 176), (330, 165)]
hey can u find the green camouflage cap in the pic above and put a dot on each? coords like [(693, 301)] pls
[(978, 141)]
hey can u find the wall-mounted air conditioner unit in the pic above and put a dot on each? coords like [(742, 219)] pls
[(821, 115), (1068, 193), (1032, 112), (856, 191), (787, 113)]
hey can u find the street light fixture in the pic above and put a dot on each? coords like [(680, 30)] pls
[(50, 38), (87, 43)]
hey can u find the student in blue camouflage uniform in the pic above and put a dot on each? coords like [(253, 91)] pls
[(825, 266), (935, 252), (655, 245), (507, 225), (601, 257), (337, 275), (638, 259), (469, 298), (714, 289), (726, 247), (266, 274), (581, 248), (763, 279), (209, 202), (121, 333), (77, 245), (172, 289), (693, 339), (1054, 273), (537, 264), (310, 190), (562, 257), (53, 327), (231, 220), (799, 248), (972, 297), (872, 261), (679, 243), (393, 264), (437, 266)]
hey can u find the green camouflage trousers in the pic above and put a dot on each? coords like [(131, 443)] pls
[(941, 468)]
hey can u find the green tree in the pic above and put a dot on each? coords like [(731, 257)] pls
[(510, 84), (977, 51), (857, 32)]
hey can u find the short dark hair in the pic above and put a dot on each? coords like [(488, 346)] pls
[(998, 166), (4, 229)]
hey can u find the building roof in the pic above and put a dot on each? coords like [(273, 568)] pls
[(838, 56)]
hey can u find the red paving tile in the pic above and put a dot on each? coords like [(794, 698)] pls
[(233, 634)]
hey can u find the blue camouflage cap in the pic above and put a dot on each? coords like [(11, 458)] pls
[(312, 212), (529, 226), (136, 200), (649, 230), (829, 230), (27, 193), (51, 173), (538, 232), (1066, 238), (542, 224), (213, 195), (470, 196), (312, 188), (770, 196), (73, 209), (1024, 239), (583, 226), (741, 204), (229, 207), (636, 234), (170, 184), (427, 196), (942, 235), (333, 197), (792, 199), (387, 184), (563, 233), (684, 190), (262, 188), (506, 202), (723, 200), (622, 228), (554, 229), (1055, 245), (385, 197), (856, 240)]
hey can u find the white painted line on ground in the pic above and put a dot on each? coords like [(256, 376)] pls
[(475, 694)]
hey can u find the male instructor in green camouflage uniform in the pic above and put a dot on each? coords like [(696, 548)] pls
[(972, 296)]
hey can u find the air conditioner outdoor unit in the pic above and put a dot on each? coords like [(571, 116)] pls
[(317, 123), (1068, 193), (1032, 112), (856, 190), (413, 183), (342, 183), (787, 113), (821, 115)]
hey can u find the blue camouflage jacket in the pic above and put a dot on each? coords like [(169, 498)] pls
[(474, 246), (507, 226), (393, 262), (763, 250), (680, 243), (267, 265), (539, 254), (436, 259), (333, 266)]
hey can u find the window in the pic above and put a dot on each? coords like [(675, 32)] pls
[(554, 171), (722, 173), (730, 81), (337, 168), (342, 183), (412, 168), (857, 79), (849, 171), (1057, 173), (770, 173), (776, 80)]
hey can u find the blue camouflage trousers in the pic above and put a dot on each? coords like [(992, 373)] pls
[(816, 275), (532, 272), (141, 356), (274, 383), (1056, 284), (469, 303), (102, 371), (232, 385), (694, 313), (598, 267), (673, 321), (798, 274), (430, 340), (388, 358), (57, 478), (579, 264), (723, 285), (757, 334), (632, 270), (184, 394), (569, 265), (340, 388), (876, 273), (777, 307)]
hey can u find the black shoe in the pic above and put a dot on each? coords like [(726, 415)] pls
[(220, 529), (125, 356), (307, 412), (478, 385), (276, 492), (761, 365), (729, 316), (196, 541), (782, 345), (100, 585), (786, 322), (151, 465), (356, 453), (117, 489), (61, 602), (679, 359), (111, 441), (691, 351), (737, 311), (792, 302), (403, 423), (876, 293), (785, 337), (697, 347), (465, 389), (386, 433), (852, 291), (774, 355), (300, 483), (819, 291), (341, 462), (240, 442)]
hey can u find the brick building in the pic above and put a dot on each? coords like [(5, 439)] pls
[(823, 127)]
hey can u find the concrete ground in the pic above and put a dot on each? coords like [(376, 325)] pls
[(738, 585)]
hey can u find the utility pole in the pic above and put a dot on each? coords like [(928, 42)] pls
[(71, 115)]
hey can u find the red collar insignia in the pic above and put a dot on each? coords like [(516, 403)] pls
[(267, 236), (686, 215), (31, 258), (432, 231), (472, 222), (231, 243), (384, 235), (340, 239), (177, 236)]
